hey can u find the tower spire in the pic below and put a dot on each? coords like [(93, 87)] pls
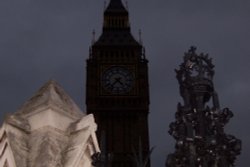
[(105, 5), (140, 37), (116, 16), (126, 3), (116, 5), (93, 36)]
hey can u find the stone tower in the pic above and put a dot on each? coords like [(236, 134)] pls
[(199, 128), (117, 90)]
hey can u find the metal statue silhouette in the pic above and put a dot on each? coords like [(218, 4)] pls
[(199, 128)]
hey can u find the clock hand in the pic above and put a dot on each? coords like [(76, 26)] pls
[(117, 80), (114, 83)]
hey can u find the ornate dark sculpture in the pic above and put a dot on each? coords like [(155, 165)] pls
[(199, 129)]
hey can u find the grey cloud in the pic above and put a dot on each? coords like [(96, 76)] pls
[(44, 39)]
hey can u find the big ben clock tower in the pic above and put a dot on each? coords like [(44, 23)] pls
[(117, 90)]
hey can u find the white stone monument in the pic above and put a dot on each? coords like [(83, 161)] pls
[(49, 130)]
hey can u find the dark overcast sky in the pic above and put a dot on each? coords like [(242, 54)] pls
[(44, 39)]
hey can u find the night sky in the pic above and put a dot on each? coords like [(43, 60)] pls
[(50, 39)]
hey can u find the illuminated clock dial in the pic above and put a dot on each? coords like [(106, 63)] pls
[(117, 80)]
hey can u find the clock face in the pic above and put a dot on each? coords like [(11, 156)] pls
[(117, 80)]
